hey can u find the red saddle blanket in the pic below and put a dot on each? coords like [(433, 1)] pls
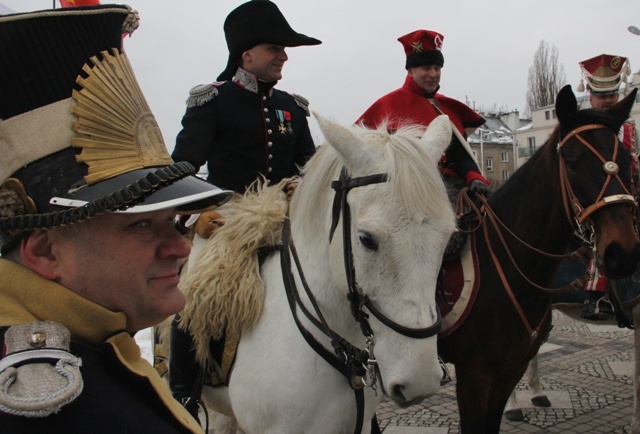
[(457, 288)]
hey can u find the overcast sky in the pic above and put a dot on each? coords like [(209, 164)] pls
[(488, 48)]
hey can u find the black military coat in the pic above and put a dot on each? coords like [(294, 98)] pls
[(243, 129)]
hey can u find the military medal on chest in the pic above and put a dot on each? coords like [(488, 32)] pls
[(285, 122)]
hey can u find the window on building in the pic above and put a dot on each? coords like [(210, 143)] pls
[(505, 175), (547, 115), (532, 142), (505, 157), (489, 164)]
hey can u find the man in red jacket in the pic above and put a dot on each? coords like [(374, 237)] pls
[(418, 102)]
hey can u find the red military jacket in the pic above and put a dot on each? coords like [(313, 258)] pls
[(408, 105)]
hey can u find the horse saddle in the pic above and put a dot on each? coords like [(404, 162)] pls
[(458, 286)]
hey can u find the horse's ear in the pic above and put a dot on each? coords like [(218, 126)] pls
[(622, 109), (346, 142), (566, 105), (437, 136)]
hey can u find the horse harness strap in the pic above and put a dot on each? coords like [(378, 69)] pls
[(577, 254), (342, 364), (531, 332), (342, 187), (570, 201), (353, 363), (610, 168), (356, 297), (497, 224)]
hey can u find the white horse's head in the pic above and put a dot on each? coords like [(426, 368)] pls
[(398, 232)]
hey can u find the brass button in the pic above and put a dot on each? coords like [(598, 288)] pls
[(38, 340)]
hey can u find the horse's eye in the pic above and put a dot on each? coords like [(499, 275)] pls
[(572, 166), (368, 242)]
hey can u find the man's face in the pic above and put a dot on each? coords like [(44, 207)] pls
[(126, 263), (603, 102), (427, 77), (265, 61)]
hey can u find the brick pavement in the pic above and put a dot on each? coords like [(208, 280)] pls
[(585, 369)]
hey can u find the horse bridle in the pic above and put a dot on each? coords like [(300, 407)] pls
[(356, 297), (354, 363), (610, 167), (570, 203)]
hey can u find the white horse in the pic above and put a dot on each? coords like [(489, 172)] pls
[(304, 364)]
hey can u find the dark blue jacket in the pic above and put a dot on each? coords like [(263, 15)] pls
[(243, 129)]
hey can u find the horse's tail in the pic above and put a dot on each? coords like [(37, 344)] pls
[(224, 289)]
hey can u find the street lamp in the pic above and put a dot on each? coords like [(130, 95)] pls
[(482, 133), (635, 30)]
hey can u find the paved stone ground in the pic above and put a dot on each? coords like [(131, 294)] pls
[(585, 369)]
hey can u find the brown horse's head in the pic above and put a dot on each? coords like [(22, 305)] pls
[(596, 179)]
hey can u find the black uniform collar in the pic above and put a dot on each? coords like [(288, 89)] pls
[(249, 81)]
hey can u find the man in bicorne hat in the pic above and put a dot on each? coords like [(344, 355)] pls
[(243, 129), (241, 126), (604, 75), (88, 201), (419, 102)]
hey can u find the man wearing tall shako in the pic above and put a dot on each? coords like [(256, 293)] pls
[(418, 101), (604, 74), (88, 201)]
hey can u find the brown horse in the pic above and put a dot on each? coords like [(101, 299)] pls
[(579, 180)]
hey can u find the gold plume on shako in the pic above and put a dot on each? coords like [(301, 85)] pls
[(115, 129)]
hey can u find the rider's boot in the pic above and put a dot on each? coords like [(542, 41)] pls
[(597, 307), (183, 368)]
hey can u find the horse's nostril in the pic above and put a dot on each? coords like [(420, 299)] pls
[(619, 263), (398, 392)]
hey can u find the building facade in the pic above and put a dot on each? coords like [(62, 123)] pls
[(494, 146)]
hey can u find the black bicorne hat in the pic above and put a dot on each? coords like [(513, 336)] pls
[(77, 136), (257, 22)]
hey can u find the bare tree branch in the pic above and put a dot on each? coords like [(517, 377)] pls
[(546, 77)]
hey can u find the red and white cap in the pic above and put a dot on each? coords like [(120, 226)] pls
[(422, 48), (604, 73)]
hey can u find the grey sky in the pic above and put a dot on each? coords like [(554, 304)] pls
[(488, 47)]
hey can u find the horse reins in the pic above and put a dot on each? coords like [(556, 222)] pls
[(570, 202), (353, 363)]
